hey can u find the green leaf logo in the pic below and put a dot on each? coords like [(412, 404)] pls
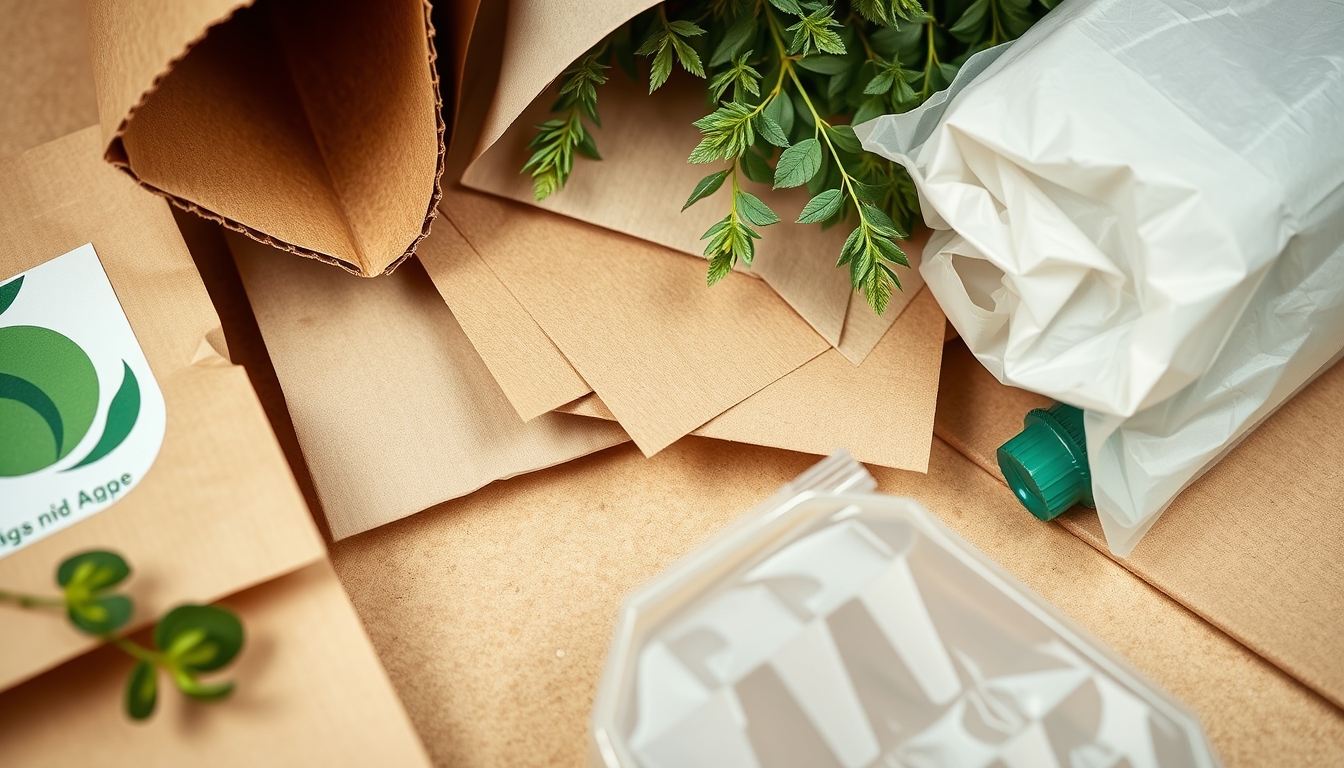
[(49, 396)]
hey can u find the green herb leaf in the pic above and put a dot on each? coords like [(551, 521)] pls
[(842, 136), (780, 109), (142, 690), (216, 629), (101, 615), (815, 31), (788, 6), (727, 134), (661, 69), (706, 187), (821, 207), (771, 130), (756, 167), (92, 571), (755, 211), (738, 37), (798, 164)]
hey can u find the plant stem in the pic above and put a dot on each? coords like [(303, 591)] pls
[(31, 601), (822, 125), (134, 650)]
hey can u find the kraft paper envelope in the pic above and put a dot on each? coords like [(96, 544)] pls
[(217, 510), (665, 352), (1253, 546), (393, 408), (829, 403), (511, 641), (642, 182), (310, 691), (313, 126)]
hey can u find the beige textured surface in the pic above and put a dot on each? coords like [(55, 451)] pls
[(665, 352), (46, 78), (310, 692), (394, 409), (510, 595), (1253, 546), (219, 510)]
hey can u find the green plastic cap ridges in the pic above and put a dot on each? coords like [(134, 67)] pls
[(1046, 464)]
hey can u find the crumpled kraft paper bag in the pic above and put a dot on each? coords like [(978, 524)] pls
[(392, 406), (310, 691), (218, 510), (313, 126), (642, 182), (1252, 546)]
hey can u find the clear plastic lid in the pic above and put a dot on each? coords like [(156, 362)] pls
[(853, 629)]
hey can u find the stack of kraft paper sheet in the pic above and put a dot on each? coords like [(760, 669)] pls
[(519, 340)]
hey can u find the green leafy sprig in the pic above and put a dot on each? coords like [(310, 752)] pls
[(786, 79), (190, 640)]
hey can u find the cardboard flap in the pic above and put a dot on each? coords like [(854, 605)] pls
[(1253, 546), (217, 510), (312, 126)]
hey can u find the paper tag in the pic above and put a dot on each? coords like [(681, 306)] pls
[(81, 416)]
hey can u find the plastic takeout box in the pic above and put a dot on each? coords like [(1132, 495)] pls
[(835, 627)]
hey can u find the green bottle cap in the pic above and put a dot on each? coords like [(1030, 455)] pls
[(1046, 464)]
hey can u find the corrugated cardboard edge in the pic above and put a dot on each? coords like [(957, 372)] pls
[(115, 153)]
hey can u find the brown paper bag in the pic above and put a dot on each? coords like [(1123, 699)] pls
[(313, 126), (217, 509), (640, 185), (393, 408), (310, 691), (1253, 546)]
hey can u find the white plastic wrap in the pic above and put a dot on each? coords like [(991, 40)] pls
[(1140, 212), (835, 627)]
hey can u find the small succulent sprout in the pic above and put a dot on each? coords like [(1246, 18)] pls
[(190, 640), (86, 579)]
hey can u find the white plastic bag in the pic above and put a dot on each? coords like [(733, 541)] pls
[(1140, 208)]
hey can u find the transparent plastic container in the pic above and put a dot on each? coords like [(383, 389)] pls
[(835, 627)]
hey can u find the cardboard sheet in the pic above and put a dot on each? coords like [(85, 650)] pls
[(640, 185), (665, 352), (1253, 546), (314, 126), (877, 410), (310, 691), (219, 510), (46, 78), (512, 631), (528, 367), (394, 409)]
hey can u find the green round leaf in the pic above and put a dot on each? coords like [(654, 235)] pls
[(220, 636), (142, 691), (93, 570), (101, 615)]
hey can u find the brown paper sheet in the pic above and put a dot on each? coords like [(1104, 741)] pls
[(310, 691), (534, 375), (512, 638), (829, 403), (393, 407), (314, 126), (665, 352), (46, 79), (1253, 546), (219, 510)]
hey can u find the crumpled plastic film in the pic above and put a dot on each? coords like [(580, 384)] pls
[(1140, 212)]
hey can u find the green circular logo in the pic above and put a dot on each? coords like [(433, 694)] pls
[(48, 398)]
